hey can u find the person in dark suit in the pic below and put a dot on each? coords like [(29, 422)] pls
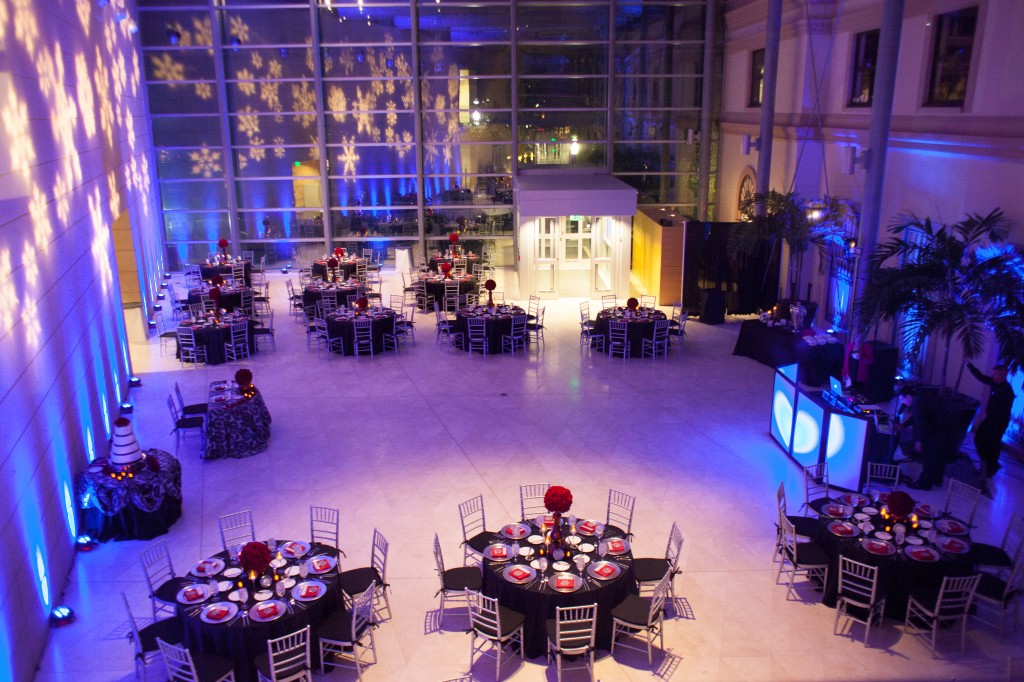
[(928, 429), (988, 437), (903, 426)]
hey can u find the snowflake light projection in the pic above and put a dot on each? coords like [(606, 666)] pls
[(205, 162)]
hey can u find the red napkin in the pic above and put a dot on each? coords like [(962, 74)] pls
[(201, 568), (310, 591), (876, 547), (588, 527), (515, 531), (266, 610), (321, 564), (921, 554), (549, 520), (605, 571), (954, 527), (833, 510), (842, 529), (292, 548), (193, 593), (953, 545), (565, 583), (518, 574), (217, 613), (499, 553), (616, 546), (924, 510)]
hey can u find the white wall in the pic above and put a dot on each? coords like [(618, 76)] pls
[(74, 154)]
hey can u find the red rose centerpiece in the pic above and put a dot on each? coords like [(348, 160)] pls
[(900, 505), (224, 244), (338, 252), (217, 280), (557, 500), (453, 239), (490, 285), (254, 558), (243, 378), (446, 268), (332, 263), (632, 304), (362, 303)]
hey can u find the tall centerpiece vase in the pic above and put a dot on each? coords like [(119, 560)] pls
[(557, 537)]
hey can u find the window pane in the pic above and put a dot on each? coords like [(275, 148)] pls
[(185, 131), (204, 162), (467, 158), (471, 221), (562, 125), (195, 195), (178, 65), (568, 93), (654, 125), (271, 130), (660, 91), (444, 23), (350, 160), (386, 127), (951, 58), (588, 155), (573, 23), (192, 27), (300, 191), (373, 192), (245, 63), (494, 60), (663, 189), (644, 20), (352, 23), (756, 78), (395, 223), (562, 59), (268, 27), (196, 226), (270, 224), (862, 78), (179, 98), (268, 162)]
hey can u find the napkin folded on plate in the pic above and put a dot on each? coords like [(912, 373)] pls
[(616, 546), (321, 564), (953, 545), (266, 610), (922, 554), (217, 613), (202, 566), (842, 529), (923, 510), (833, 510), (565, 583), (954, 527), (498, 553), (310, 591), (293, 548), (588, 527), (518, 574), (194, 593), (605, 571)]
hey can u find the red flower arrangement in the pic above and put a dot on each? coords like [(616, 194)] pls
[(243, 378), (490, 285), (558, 499), (338, 251), (446, 268), (362, 302), (632, 303), (255, 557), (216, 280), (900, 504), (214, 293), (332, 263), (223, 243), (453, 237)]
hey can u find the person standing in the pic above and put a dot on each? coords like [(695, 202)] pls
[(988, 438), (927, 425), (903, 428)]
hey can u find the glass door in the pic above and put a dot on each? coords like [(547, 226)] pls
[(601, 273), (546, 257)]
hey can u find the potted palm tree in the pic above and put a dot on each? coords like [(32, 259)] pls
[(950, 284), (789, 220)]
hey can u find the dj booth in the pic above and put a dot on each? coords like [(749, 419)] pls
[(812, 426)]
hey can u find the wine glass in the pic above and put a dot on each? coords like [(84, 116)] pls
[(271, 545), (543, 563), (243, 594), (279, 588), (303, 570), (214, 587)]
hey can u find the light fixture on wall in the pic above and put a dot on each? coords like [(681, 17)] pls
[(62, 615), (748, 143), (853, 159)]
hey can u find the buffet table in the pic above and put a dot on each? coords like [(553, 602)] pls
[(774, 346), (606, 579), (138, 508), (220, 623), (639, 326), (236, 426)]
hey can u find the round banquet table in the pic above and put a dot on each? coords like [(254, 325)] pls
[(213, 337), (242, 640), (435, 286), (138, 508), (495, 327), (341, 324), (236, 427), (229, 298), (898, 574), (346, 266), (434, 265), (208, 270), (537, 601), (637, 328), (313, 293)]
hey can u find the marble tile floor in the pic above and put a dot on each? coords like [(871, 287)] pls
[(397, 441)]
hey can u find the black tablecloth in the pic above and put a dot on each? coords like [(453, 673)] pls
[(898, 575), (206, 271), (775, 346), (637, 328), (140, 508), (310, 295), (242, 642), (434, 265), (539, 605), (239, 427), (228, 300), (344, 327), (214, 338), (346, 266), (495, 327), (435, 287)]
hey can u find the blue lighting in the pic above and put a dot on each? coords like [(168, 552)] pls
[(44, 581), (69, 510)]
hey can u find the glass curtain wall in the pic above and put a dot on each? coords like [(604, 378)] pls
[(291, 127)]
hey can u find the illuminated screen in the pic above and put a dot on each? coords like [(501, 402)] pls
[(846, 436), (783, 397), (807, 431)]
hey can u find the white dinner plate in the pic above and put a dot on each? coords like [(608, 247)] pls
[(278, 563), (587, 547), (292, 570), (208, 567), (861, 516), (224, 585), (560, 566), (882, 535), (870, 510), (310, 590), (911, 540), (193, 594), (535, 539), (923, 554), (289, 583), (573, 540), (233, 572), (263, 595), (267, 611), (321, 564), (526, 552), (218, 612)]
